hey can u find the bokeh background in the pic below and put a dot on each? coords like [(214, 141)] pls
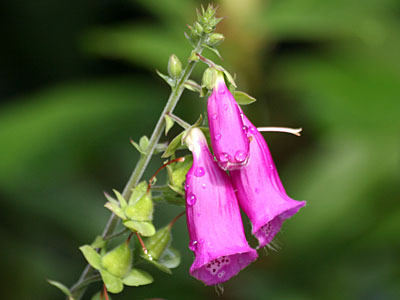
[(77, 80)]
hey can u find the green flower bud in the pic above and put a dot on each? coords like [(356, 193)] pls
[(174, 66), (141, 210), (157, 243), (209, 78), (118, 261), (215, 39), (198, 28)]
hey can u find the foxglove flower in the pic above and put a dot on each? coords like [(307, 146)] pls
[(260, 192), (213, 217), (229, 142)]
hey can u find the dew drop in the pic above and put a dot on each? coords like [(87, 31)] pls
[(240, 156), (253, 130), (193, 245), (204, 186), (186, 187), (214, 116), (199, 172), (217, 137), (245, 129), (224, 157), (221, 91), (226, 106), (191, 200), (271, 166)]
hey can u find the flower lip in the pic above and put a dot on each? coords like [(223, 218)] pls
[(228, 138)]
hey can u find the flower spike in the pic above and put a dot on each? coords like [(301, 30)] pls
[(213, 218), (260, 192), (228, 139)]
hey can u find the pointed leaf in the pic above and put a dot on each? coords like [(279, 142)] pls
[(115, 209), (213, 49), (91, 256), (168, 123), (136, 145), (137, 277), (242, 98), (144, 228), (61, 287), (170, 258), (113, 283), (192, 86), (167, 79), (174, 145), (121, 199)]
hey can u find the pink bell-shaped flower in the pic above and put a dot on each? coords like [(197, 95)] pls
[(260, 192), (228, 140), (213, 217)]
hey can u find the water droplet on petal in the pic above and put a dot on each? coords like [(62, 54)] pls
[(186, 187), (253, 130), (199, 172), (245, 129), (204, 186), (224, 157), (226, 106), (217, 137), (240, 156), (193, 245), (221, 91), (214, 116), (271, 166), (191, 200)]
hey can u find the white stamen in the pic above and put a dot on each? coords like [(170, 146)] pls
[(295, 131)]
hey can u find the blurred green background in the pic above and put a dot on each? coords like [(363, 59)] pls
[(77, 80)]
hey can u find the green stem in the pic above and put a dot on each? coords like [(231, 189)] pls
[(77, 290)]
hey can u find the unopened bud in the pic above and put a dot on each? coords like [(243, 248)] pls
[(209, 78), (198, 28), (118, 261), (215, 39), (157, 243), (174, 66)]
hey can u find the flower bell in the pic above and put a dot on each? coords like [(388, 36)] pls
[(260, 192), (213, 217), (228, 140)]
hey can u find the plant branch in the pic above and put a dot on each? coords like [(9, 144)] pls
[(77, 290)]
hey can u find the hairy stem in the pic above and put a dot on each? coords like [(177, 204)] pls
[(176, 92)]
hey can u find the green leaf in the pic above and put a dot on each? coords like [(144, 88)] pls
[(113, 283), (144, 228), (62, 288), (242, 98), (137, 277), (121, 199), (167, 79), (168, 123), (115, 209), (174, 145), (99, 242), (170, 196), (91, 256), (213, 49), (171, 258)]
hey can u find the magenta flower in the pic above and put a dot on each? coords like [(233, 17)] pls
[(260, 192), (213, 218), (228, 140)]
